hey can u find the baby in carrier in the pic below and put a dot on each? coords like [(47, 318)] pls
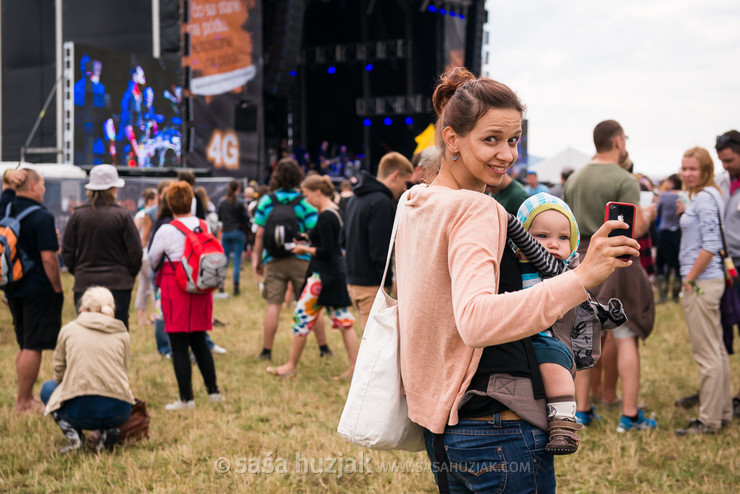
[(550, 221), (545, 236)]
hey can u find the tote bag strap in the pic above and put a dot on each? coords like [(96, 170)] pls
[(399, 213)]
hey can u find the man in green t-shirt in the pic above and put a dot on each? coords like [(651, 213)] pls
[(279, 270), (509, 193), (586, 192)]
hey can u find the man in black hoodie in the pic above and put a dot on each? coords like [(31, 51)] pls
[(367, 229)]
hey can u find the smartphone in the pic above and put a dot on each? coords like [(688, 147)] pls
[(622, 212)]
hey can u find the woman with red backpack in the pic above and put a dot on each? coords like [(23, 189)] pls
[(187, 315)]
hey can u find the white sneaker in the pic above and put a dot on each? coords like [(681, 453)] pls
[(180, 405), (218, 349), (215, 397)]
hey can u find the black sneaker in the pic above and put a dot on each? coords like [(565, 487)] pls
[(108, 439), (325, 352), (688, 401), (695, 427), (75, 437), (265, 355), (75, 441)]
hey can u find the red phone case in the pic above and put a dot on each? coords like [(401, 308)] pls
[(621, 204)]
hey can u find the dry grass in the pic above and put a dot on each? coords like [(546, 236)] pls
[(278, 436)]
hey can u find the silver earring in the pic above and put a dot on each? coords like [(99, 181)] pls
[(455, 158)]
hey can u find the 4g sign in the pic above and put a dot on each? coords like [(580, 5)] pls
[(223, 149)]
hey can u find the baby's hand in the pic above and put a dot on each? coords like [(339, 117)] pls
[(520, 255)]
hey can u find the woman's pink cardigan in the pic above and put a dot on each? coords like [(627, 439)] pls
[(448, 250)]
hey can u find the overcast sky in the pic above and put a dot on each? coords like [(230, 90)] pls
[(667, 70)]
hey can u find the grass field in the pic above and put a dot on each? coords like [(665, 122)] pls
[(272, 435)]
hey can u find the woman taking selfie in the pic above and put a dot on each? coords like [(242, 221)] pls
[(459, 335)]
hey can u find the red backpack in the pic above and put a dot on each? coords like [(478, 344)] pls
[(202, 267)]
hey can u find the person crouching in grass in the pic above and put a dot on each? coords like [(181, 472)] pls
[(90, 389)]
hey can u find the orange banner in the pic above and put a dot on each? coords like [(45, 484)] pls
[(221, 48)]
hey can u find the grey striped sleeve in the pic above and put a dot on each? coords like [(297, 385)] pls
[(543, 261)]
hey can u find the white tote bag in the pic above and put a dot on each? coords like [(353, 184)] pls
[(376, 413)]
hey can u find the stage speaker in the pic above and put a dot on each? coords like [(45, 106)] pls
[(284, 46), (245, 117), (477, 16)]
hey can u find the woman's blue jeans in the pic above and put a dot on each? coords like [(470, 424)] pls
[(494, 456), (163, 342), (233, 243), (91, 412)]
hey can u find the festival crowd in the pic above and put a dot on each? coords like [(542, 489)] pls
[(496, 278)]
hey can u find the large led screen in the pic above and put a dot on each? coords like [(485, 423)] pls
[(127, 109)]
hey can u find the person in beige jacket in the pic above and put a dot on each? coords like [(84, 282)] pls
[(90, 389)]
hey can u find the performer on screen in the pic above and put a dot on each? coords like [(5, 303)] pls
[(131, 126), (152, 119), (91, 101)]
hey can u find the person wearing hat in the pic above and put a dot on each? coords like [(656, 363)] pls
[(101, 245), (533, 184), (551, 222)]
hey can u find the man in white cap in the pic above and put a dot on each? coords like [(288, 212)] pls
[(101, 245)]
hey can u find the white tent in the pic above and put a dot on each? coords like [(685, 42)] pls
[(548, 170)]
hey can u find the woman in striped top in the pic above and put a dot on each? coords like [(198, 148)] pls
[(703, 286)]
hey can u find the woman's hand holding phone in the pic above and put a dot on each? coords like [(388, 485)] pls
[(624, 212), (608, 250)]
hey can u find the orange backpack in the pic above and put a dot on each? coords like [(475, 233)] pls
[(13, 261)]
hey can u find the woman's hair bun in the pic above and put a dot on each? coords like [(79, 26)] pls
[(449, 82), (321, 183)]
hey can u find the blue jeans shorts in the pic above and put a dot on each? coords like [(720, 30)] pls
[(494, 456), (550, 350)]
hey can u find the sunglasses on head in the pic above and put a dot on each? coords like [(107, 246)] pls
[(726, 140)]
